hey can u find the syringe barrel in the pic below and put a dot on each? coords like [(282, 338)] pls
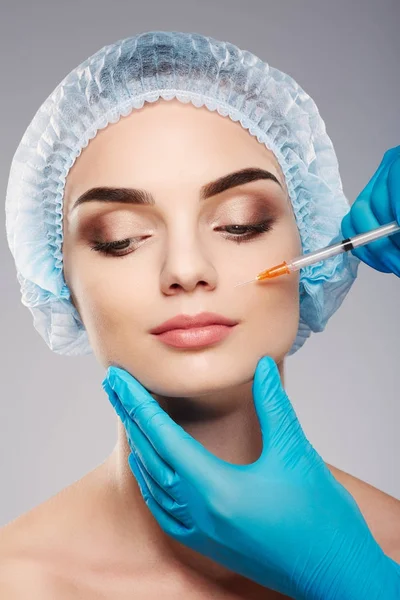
[(375, 234), (310, 258), (343, 246)]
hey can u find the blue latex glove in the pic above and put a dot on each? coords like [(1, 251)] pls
[(378, 204), (283, 521)]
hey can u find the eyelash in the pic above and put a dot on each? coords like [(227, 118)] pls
[(251, 230)]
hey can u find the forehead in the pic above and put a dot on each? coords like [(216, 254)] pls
[(164, 143)]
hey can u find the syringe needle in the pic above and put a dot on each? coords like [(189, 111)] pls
[(245, 282)]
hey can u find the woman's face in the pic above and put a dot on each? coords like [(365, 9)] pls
[(183, 256)]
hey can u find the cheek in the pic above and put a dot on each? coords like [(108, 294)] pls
[(278, 299), (109, 307), (274, 304), (274, 315)]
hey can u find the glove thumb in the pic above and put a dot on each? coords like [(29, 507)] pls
[(280, 427), (394, 188)]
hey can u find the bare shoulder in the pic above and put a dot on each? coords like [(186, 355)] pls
[(380, 510), (21, 579), (23, 573), (36, 549)]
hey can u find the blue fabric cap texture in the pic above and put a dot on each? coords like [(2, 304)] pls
[(190, 67)]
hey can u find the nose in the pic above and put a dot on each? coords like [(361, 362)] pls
[(186, 267)]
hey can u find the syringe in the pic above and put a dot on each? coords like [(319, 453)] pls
[(327, 252)]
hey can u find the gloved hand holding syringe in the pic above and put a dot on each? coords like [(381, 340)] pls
[(313, 257)]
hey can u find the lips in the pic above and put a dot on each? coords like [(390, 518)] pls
[(189, 322)]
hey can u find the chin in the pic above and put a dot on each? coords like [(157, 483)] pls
[(200, 379)]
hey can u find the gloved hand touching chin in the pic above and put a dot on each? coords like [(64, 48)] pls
[(378, 204), (283, 521)]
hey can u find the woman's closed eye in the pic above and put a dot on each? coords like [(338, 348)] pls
[(237, 233)]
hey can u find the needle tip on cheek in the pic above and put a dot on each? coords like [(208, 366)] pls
[(244, 282)]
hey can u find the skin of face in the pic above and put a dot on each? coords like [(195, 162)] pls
[(180, 260)]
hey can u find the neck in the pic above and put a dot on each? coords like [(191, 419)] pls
[(233, 435)]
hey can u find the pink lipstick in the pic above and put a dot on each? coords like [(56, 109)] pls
[(186, 331)]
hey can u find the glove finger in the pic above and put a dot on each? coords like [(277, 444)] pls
[(139, 444), (176, 510), (144, 490), (153, 463), (381, 254), (280, 427), (385, 198), (379, 198), (167, 522), (382, 191), (172, 443), (351, 229), (391, 155), (387, 159), (158, 470), (362, 253), (393, 184), (352, 226)]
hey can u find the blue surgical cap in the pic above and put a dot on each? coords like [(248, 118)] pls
[(192, 68)]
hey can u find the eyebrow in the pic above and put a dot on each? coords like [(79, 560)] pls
[(142, 197)]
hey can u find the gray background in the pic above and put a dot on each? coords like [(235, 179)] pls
[(56, 422)]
